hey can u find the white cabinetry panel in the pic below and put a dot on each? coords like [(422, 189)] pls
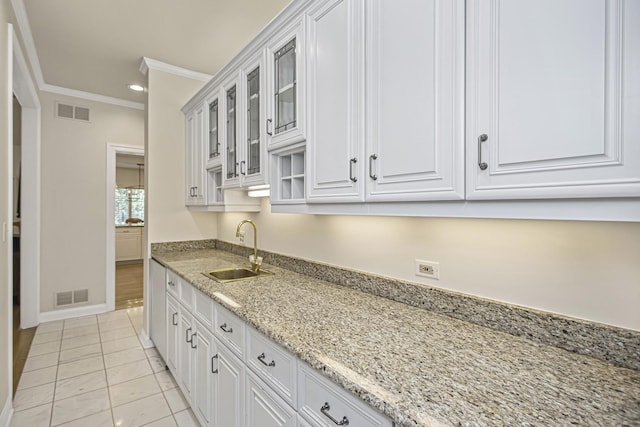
[(548, 86), (415, 94), (335, 80)]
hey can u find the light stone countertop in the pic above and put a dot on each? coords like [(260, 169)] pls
[(418, 367)]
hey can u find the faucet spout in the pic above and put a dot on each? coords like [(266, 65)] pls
[(255, 262)]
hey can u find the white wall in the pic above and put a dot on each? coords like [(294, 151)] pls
[(167, 218), (589, 270), (73, 245)]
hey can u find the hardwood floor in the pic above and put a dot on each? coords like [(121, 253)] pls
[(22, 339), (129, 285)]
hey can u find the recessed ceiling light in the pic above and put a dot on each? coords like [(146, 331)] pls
[(136, 88)]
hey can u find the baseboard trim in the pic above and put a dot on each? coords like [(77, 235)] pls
[(70, 313), (7, 412), (145, 340)]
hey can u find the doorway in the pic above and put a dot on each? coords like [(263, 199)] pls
[(125, 226)]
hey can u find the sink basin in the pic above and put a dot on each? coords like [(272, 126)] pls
[(232, 274)]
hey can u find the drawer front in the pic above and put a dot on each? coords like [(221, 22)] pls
[(172, 283), (274, 365), (186, 292), (230, 330), (323, 403), (203, 309)]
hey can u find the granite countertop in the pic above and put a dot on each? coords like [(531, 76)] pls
[(418, 367)]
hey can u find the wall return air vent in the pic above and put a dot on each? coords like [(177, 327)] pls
[(80, 296), (73, 112)]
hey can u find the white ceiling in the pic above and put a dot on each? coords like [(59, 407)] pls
[(96, 46)]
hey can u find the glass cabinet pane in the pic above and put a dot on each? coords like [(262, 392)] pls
[(232, 166), (214, 144), (285, 87), (253, 122)]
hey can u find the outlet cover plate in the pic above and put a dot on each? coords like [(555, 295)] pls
[(430, 269)]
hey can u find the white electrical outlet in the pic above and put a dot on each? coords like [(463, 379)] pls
[(430, 269), (241, 236)]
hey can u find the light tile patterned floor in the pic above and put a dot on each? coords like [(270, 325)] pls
[(93, 372)]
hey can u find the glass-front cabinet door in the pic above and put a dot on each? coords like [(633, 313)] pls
[(252, 157), (285, 56), (214, 133), (231, 134)]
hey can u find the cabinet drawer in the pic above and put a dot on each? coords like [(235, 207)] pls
[(230, 330), (276, 366), (320, 400), (186, 294), (172, 283), (203, 309)]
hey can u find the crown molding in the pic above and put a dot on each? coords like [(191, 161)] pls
[(30, 47), (154, 64), (92, 96)]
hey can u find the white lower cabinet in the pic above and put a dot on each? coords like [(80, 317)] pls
[(234, 376), (264, 408)]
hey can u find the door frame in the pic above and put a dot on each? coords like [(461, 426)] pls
[(25, 91), (112, 150)]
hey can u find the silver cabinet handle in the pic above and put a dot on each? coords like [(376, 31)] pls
[(242, 167), (351, 163), (224, 328), (186, 337), (371, 159), (174, 322), (195, 191), (482, 138), (261, 359), (269, 123), (171, 283), (194, 344), (212, 371), (325, 411)]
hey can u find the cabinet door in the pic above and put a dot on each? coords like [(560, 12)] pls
[(231, 161), (285, 59), (415, 100), (172, 335), (158, 306), (213, 119), (253, 161), (335, 103), (186, 355), (229, 389), (553, 99), (265, 408), (190, 131), (204, 374), (194, 158)]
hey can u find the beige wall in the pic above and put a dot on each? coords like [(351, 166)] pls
[(127, 177), (167, 217), (6, 161), (73, 230), (589, 270)]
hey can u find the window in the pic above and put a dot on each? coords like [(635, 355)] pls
[(129, 204)]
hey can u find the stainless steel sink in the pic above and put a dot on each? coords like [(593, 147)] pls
[(232, 274)]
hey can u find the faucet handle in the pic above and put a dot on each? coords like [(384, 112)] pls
[(255, 262)]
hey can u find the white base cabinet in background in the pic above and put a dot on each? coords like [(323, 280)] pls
[(264, 408)]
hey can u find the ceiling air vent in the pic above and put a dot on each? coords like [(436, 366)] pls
[(74, 112)]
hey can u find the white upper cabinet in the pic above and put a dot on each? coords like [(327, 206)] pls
[(244, 134), (194, 158), (285, 122), (214, 134), (414, 100), (335, 71), (553, 99)]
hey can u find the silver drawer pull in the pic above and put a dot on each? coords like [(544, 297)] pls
[(261, 359), (482, 138), (174, 321), (186, 337), (224, 328), (194, 344), (325, 411), (212, 371), (171, 283)]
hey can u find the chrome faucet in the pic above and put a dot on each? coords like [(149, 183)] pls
[(254, 259)]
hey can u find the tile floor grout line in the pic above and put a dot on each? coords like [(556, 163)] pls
[(106, 378)]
